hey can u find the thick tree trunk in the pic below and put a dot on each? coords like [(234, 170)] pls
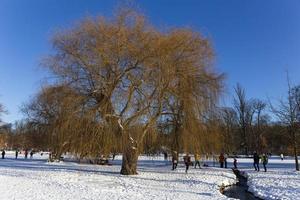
[(129, 162), (130, 154)]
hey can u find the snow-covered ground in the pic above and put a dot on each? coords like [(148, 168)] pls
[(36, 179), (275, 184), (281, 181)]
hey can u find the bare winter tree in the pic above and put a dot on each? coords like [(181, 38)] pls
[(260, 121), (244, 112), (2, 110), (229, 121), (288, 112)]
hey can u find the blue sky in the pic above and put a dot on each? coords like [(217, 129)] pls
[(255, 41)]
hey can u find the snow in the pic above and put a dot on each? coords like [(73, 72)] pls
[(38, 179), (275, 184), (281, 181)]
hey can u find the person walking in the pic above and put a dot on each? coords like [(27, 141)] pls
[(187, 162), (225, 159), (221, 160), (17, 153), (3, 154), (281, 157), (26, 154), (256, 161), (174, 160), (31, 154), (165, 156), (264, 160), (197, 160), (235, 163)]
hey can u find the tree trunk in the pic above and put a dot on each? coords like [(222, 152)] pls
[(129, 161), (296, 152), (296, 158), (130, 154)]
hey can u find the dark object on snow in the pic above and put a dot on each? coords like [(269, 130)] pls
[(174, 160), (17, 153), (256, 161), (235, 163), (31, 154), (221, 160), (3, 154), (187, 162), (165, 155), (26, 154)]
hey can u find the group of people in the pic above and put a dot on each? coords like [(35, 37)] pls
[(256, 158), (17, 154), (187, 161), (263, 158)]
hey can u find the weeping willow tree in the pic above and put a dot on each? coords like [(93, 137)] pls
[(117, 79), (60, 114), (192, 98)]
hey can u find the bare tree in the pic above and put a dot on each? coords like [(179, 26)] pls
[(261, 120), (2, 110), (229, 120), (245, 113), (288, 112)]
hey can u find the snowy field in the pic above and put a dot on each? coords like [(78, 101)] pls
[(36, 179)]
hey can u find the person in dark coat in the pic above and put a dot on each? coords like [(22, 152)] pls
[(221, 160), (256, 161), (235, 163), (165, 155), (187, 162), (31, 154), (17, 153), (3, 154), (174, 160), (26, 154)]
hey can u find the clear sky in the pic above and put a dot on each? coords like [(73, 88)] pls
[(255, 41)]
